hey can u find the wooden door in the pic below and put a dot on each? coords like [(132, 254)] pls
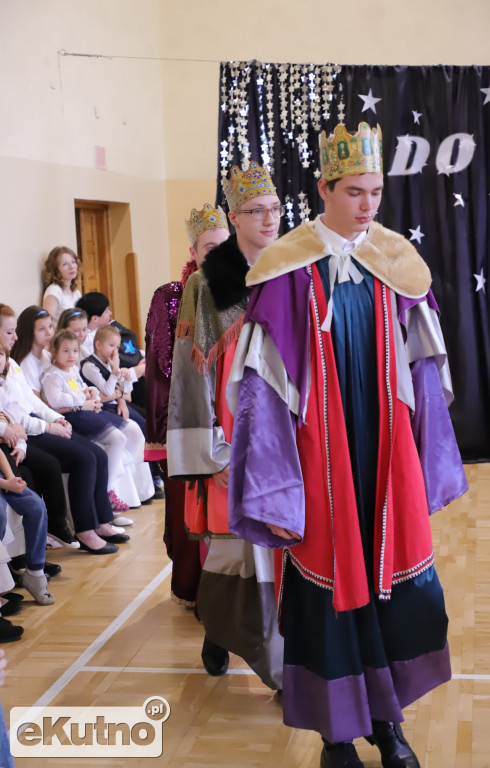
[(92, 220)]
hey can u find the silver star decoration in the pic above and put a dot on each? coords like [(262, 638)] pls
[(416, 116), (486, 91), (480, 281), (459, 199), (370, 101), (417, 234)]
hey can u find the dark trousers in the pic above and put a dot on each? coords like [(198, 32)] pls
[(86, 464), (42, 474)]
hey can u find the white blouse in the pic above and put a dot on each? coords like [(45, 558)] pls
[(65, 297), (63, 389), (33, 369)]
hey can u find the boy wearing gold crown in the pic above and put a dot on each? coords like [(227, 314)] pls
[(236, 592), (205, 229), (342, 446)]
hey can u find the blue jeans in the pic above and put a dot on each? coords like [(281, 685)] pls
[(6, 759), (32, 509)]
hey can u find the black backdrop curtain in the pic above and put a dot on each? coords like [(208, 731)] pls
[(436, 150)]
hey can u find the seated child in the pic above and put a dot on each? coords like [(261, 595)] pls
[(102, 370), (31, 508), (76, 320), (64, 390)]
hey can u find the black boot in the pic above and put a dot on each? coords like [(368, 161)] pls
[(395, 749), (214, 658), (341, 755)]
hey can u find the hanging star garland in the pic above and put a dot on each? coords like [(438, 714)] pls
[(370, 101), (416, 116), (417, 234), (480, 281), (458, 199), (486, 91)]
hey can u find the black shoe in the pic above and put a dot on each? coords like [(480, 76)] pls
[(108, 549), (341, 755), (64, 536), (214, 658), (9, 631), (147, 502), (159, 494), (52, 569), (14, 597), (115, 538), (393, 746), (10, 608), (18, 564)]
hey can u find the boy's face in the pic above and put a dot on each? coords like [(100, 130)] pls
[(104, 319), (257, 231), (353, 203), (108, 347), (205, 242)]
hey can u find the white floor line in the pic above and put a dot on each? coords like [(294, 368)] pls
[(164, 670), (101, 640), (198, 671)]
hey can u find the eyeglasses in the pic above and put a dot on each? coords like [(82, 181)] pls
[(261, 213)]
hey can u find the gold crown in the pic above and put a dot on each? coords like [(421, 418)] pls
[(348, 154), (245, 185), (201, 221)]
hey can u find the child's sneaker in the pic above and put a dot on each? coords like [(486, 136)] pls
[(37, 586), (117, 504)]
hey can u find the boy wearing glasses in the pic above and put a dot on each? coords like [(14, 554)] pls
[(342, 446), (236, 594)]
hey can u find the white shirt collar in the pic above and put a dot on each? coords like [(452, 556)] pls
[(335, 241)]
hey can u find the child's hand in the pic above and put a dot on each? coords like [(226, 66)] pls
[(92, 405), (122, 408), (14, 484), (91, 393), (114, 361), (125, 374), (19, 455), (66, 424), (10, 437), (55, 428)]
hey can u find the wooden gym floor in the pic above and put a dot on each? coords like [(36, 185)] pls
[(114, 637)]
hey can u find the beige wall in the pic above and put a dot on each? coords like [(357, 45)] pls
[(56, 109), (155, 110), (354, 32)]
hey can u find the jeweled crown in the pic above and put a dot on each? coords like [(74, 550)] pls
[(348, 154), (245, 185), (201, 221)]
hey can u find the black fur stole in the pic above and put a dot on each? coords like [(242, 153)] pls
[(225, 269)]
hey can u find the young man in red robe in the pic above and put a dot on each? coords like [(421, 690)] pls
[(342, 446)]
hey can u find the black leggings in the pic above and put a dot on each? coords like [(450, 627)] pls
[(86, 464), (42, 473)]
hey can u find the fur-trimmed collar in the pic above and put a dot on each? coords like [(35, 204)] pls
[(225, 269), (384, 253)]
